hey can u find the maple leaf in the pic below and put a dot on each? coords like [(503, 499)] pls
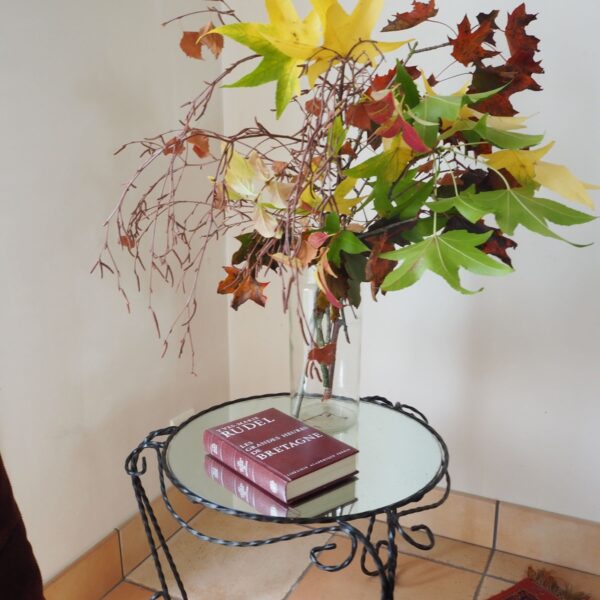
[(250, 179), (468, 44), (285, 45), (348, 35), (244, 287), (516, 206), (516, 74), (496, 245), (559, 179), (519, 163), (377, 268), (358, 116), (388, 165), (421, 12), (192, 41), (518, 39), (444, 254)]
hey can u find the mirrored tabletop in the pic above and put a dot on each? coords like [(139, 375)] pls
[(399, 459)]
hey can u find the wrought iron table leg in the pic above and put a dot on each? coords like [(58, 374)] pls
[(136, 466)]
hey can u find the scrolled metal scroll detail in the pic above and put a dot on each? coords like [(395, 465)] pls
[(316, 552)]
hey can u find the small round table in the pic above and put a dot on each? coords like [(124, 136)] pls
[(401, 458)]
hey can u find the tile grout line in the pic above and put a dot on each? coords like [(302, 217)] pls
[(304, 572), (492, 551), (440, 562)]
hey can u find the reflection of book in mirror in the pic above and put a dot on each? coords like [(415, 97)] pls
[(337, 500)]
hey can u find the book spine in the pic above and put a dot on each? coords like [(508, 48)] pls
[(245, 465), (242, 489)]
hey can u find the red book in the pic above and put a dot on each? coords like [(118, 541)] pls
[(337, 497), (280, 454)]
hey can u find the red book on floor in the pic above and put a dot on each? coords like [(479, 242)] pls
[(281, 454)]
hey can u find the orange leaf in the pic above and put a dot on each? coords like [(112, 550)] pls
[(314, 107), (243, 287), (200, 144), (127, 241), (173, 146), (192, 41), (213, 41), (230, 283), (190, 45)]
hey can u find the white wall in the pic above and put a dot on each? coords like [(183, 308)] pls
[(510, 377), (82, 382)]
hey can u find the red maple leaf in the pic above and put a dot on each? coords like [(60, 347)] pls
[(468, 44), (519, 41), (382, 82), (516, 74), (358, 117), (421, 12)]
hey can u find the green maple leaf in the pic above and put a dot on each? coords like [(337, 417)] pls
[(513, 207), (443, 254)]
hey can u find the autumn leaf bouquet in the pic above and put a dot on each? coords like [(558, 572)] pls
[(385, 177)]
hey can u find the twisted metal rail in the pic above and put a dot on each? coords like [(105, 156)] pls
[(384, 568)]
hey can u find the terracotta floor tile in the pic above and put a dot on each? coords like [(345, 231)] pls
[(491, 587), (446, 550), (462, 517), (450, 552), (134, 544), (548, 537), (128, 591), (416, 578), (91, 576), (514, 568), (228, 573)]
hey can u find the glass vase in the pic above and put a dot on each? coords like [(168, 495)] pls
[(324, 359)]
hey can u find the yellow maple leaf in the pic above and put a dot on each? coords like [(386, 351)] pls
[(521, 164), (348, 35), (559, 179)]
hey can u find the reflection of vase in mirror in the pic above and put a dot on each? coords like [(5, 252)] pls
[(324, 359)]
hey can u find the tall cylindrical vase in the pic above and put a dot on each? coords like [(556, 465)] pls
[(324, 359)]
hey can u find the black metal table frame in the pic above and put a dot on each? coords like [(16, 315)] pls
[(158, 442)]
